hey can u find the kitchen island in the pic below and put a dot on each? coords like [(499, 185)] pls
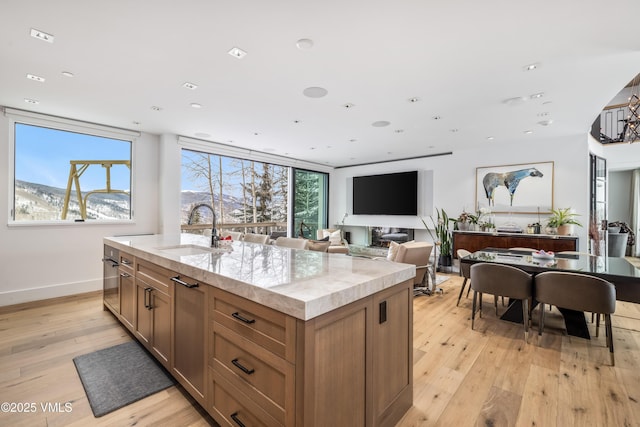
[(265, 335)]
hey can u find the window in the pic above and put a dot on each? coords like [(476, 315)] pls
[(73, 176), (310, 202), (241, 191), (251, 196)]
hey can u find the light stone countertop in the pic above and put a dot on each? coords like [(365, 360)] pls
[(301, 283)]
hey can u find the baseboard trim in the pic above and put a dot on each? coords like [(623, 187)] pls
[(20, 296)]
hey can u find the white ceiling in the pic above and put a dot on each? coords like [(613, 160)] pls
[(461, 59)]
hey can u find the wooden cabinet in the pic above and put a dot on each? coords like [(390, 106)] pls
[(267, 368), (251, 365), (189, 365), (475, 241), (154, 308), (127, 291), (393, 353), (251, 360)]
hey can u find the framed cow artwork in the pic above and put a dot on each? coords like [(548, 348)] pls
[(521, 188)]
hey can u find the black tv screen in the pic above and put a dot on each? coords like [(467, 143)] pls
[(388, 194)]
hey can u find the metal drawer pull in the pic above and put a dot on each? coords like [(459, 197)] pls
[(125, 275), (242, 368), (125, 261), (235, 418), (242, 319), (113, 262), (185, 284), (147, 294)]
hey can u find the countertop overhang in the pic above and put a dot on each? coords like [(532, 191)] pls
[(302, 283)]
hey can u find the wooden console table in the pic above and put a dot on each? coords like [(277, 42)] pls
[(476, 240)]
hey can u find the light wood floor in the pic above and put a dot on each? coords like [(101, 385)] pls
[(487, 377)]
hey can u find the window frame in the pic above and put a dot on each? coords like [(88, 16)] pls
[(66, 125)]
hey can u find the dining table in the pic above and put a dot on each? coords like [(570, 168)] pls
[(616, 270)]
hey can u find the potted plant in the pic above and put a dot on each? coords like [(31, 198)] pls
[(563, 220), (465, 221), (442, 239)]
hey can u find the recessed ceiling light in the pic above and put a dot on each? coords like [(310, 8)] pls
[(490, 138), (543, 114), (315, 92), (296, 121), (155, 108), (537, 95), (414, 99), (41, 35), (545, 122), (236, 52), (454, 130), (348, 105), (312, 148), (35, 78), (431, 146), (399, 130), (256, 134), (518, 100), (196, 105), (528, 132), (380, 124), (188, 85), (531, 67), (137, 123), (31, 101), (304, 44), (436, 117), (352, 140), (67, 74)]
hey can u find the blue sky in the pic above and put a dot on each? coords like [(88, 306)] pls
[(42, 156)]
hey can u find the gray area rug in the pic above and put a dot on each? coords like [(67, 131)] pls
[(117, 376), (440, 278)]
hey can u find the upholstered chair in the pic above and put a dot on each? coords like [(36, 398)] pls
[(338, 245), (577, 292), (501, 280), (465, 271), (289, 242), (417, 253), (256, 238)]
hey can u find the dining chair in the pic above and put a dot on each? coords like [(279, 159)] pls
[(596, 315), (501, 280), (577, 292), (290, 242), (256, 238), (465, 271)]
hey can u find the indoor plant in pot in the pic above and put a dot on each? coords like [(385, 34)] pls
[(442, 239), (563, 220)]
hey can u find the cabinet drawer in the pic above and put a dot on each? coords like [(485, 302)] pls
[(230, 407), (154, 275), (266, 327), (264, 377)]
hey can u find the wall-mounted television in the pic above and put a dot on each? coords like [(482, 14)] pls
[(386, 194)]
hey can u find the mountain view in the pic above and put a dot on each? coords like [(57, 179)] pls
[(44, 203)]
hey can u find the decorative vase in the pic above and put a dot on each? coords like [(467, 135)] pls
[(445, 261), (565, 230), (463, 226)]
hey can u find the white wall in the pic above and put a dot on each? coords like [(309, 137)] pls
[(620, 196), (46, 261), (454, 183)]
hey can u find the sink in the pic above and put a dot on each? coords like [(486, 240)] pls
[(185, 250)]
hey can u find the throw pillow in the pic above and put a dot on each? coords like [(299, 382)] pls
[(393, 250), (335, 237)]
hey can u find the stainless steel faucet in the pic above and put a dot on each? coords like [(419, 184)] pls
[(214, 233)]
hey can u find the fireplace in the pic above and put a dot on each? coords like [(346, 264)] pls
[(381, 237)]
